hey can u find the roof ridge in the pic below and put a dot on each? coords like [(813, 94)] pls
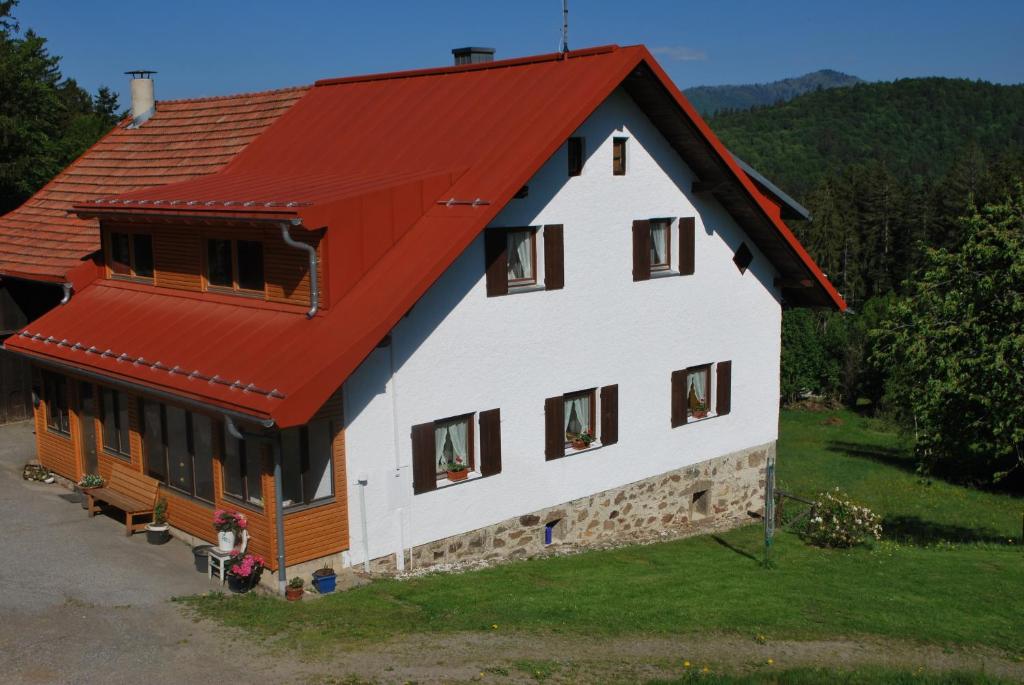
[(461, 68), (214, 98)]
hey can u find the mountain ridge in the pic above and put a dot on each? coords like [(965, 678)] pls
[(712, 99)]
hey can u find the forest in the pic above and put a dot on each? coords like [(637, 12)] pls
[(914, 189)]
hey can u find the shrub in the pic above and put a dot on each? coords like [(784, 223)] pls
[(835, 521)]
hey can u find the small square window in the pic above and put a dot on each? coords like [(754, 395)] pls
[(661, 244), (700, 501), (522, 258), (743, 257), (619, 156), (698, 391), (453, 445), (576, 151)]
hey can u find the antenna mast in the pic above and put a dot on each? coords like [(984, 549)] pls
[(565, 26)]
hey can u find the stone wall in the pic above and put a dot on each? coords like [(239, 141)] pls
[(717, 494)]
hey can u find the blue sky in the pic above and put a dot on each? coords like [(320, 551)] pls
[(218, 47)]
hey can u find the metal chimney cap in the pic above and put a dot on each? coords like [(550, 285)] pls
[(140, 73)]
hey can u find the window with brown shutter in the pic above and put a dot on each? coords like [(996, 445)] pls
[(576, 151), (496, 262), (554, 257), (609, 414), (554, 428), (641, 250), (687, 239), (619, 156), (490, 442), (723, 391), (424, 472), (679, 398)]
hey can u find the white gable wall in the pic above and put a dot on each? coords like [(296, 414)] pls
[(459, 351)]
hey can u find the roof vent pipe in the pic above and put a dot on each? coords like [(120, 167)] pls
[(472, 55), (314, 292), (143, 102)]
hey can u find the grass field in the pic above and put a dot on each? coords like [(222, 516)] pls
[(946, 572)]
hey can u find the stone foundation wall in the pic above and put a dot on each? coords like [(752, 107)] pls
[(713, 495)]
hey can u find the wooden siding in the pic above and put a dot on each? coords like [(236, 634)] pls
[(179, 259), (310, 533)]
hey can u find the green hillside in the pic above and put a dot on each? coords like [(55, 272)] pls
[(711, 99)]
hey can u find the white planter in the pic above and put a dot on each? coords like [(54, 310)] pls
[(225, 540)]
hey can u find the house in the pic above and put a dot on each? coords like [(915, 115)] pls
[(547, 269)]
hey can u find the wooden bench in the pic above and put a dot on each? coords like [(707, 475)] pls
[(133, 492)]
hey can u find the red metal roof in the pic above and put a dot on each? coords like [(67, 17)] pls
[(182, 140), (373, 159)]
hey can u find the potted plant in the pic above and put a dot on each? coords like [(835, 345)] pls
[(581, 440), (89, 481), (157, 531), (324, 579), (294, 591), (457, 468), (228, 525), (700, 411), (244, 572)]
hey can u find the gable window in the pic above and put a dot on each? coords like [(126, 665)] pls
[(178, 448), (438, 445), (131, 254), (661, 244), (571, 420), (576, 152), (510, 256), (619, 156), (522, 258), (241, 470), (743, 257), (114, 411), (55, 393), (235, 265), (306, 454), (694, 389)]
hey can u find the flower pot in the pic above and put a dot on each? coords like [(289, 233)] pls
[(202, 557), (579, 445), (700, 414), (324, 581), (242, 584), (157, 534), (458, 475), (293, 594), (225, 540)]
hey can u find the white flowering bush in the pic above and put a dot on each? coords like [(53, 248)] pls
[(835, 521)]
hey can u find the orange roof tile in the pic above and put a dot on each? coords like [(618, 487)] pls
[(184, 139)]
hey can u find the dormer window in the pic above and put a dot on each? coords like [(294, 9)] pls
[(235, 265), (130, 255)]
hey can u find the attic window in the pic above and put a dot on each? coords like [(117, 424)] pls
[(235, 265), (575, 149), (743, 257), (619, 156), (130, 255)]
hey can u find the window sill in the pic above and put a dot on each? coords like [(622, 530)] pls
[(299, 508), (690, 419), (117, 455), (249, 506), (664, 273), (570, 451), (164, 487), (59, 433), (445, 483), (531, 288)]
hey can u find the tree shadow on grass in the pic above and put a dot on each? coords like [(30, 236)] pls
[(896, 457), (916, 531), (728, 545)]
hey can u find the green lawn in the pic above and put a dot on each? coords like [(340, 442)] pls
[(965, 593)]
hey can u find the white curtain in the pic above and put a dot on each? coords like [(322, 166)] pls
[(577, 414), (440, 438), (451, 441), (520, 261), (698, 387), (659, 243)]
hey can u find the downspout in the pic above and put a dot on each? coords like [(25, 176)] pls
[(314, 293), (68, 287), (275, 444)]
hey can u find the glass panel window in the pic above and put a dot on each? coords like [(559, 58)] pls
[(250, 265), (453, 443), (142, 251), (661, 244), (219, 269), (179, 460), (698, 388), (55, 393), (579, 414), (120, 253), (115, 423), (619, 156), (154, 453), (202, 456), (242, 470), (575, 156), (307, 463), (522, 258)]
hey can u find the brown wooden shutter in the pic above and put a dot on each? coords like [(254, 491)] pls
[(496, 256), (554, 428), (678, 398), (554, 258), (687, 237), (490, 442), (641, 250), (609, 414), (424, 466), (723, 398)]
